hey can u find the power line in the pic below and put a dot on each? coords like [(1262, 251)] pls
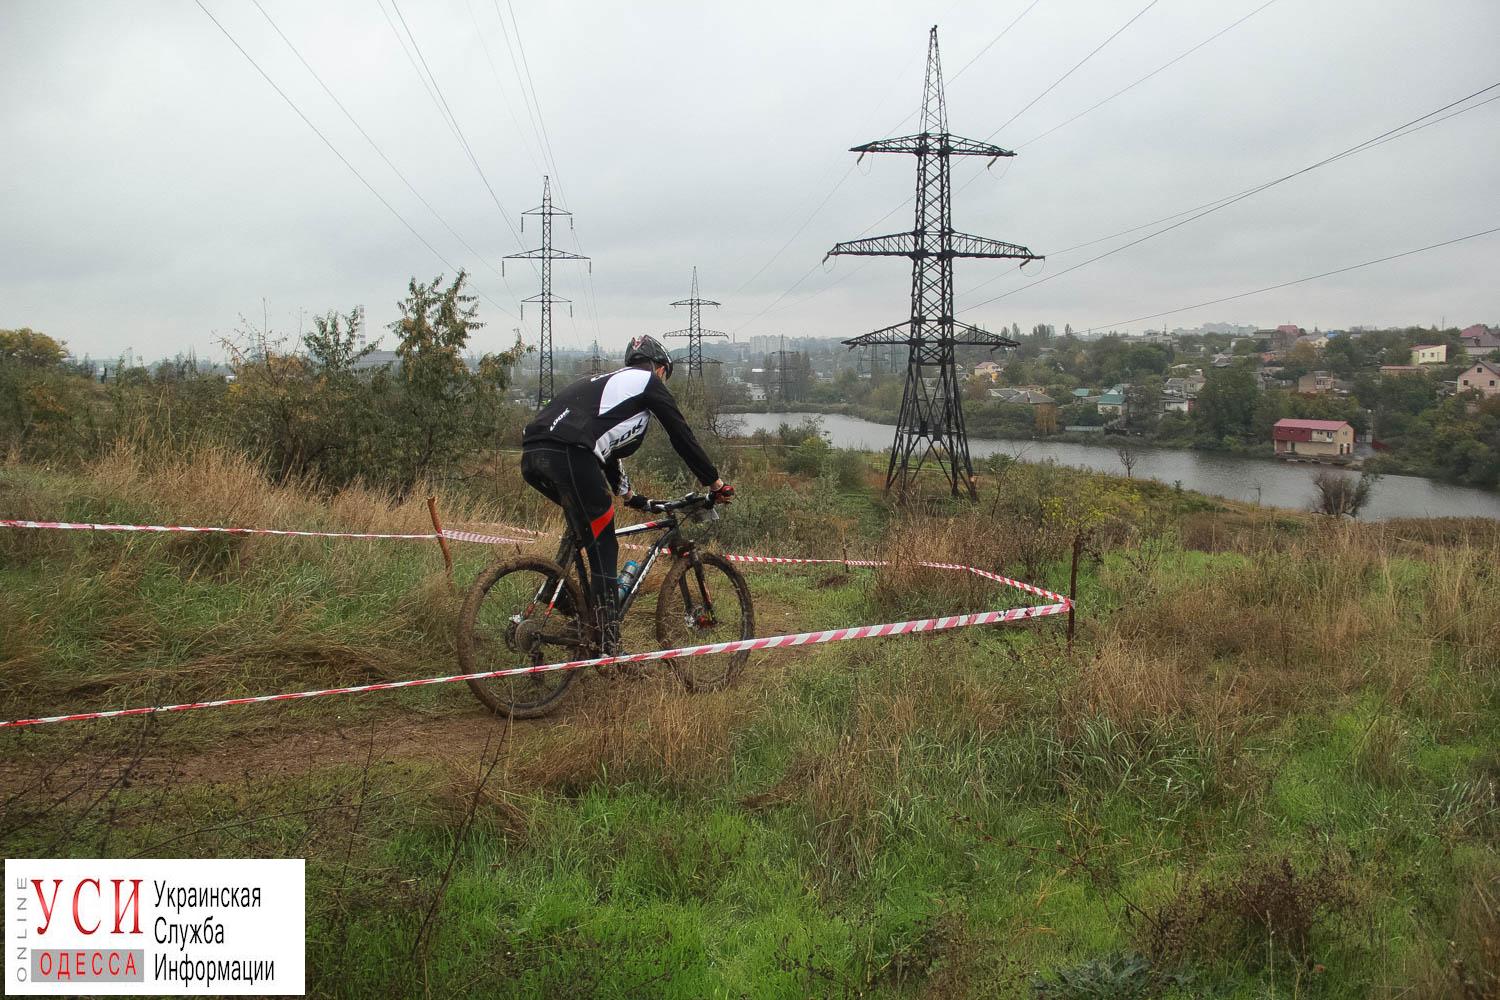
[(1298, 281), (1018, 114), (375, 146), (342, 159), (1118, 31), (1148, 76), (991, 44), (1397, 132), (458, 129), (495, 72), (545, 165), (546, 140), (411, 60), (1094, 107), (850, 170)]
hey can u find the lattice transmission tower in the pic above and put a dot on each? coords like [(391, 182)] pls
[(784, 359), (694, 331), (546, 253), (595, 360), (931, 422)]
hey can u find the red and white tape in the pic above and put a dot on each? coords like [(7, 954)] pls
[(1060, 605), (459, 536)]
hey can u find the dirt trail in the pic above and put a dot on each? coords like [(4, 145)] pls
[(403, 734)]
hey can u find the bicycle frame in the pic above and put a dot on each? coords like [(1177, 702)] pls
[(670, 539)]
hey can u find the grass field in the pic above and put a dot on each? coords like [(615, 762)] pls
[(1269, 766)]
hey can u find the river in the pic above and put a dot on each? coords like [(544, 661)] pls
[(1254, 480)]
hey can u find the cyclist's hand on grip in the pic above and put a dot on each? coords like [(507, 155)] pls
[(723, 493), (637, 502)]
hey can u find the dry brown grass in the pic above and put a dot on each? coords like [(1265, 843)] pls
[(213, 485), (643, 728), (1312, 618), (907, 587)]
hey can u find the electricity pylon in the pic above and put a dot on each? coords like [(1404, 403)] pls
[(932, 420), (595, 361), (782, 358), (694, 331), (546, 254)]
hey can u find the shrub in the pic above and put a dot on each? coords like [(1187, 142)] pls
[(1269, 912)]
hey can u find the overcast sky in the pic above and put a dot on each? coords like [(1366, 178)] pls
[(155, 187)]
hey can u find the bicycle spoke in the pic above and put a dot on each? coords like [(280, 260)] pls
[(689, 616), (521, 614)]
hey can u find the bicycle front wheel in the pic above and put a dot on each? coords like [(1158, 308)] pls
[(704, 599), (522, 612)]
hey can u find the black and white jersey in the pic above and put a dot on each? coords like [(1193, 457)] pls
[(608, 414)]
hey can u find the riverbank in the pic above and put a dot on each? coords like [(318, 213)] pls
[(1250, 479)]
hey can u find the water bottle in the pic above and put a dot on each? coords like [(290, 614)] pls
[(627, 577)]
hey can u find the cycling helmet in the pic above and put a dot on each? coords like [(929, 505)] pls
[(647, 348)]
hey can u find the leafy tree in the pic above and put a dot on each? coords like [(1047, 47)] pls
[(30, 349), (1143, 404), (1338, 495), (443, 411), (43, 410), (1226, 405)]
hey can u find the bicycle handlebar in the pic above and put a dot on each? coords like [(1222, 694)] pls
[(686, 502), (683, 502)]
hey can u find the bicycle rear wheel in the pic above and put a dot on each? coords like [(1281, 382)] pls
[(516, 615), (704, 599)]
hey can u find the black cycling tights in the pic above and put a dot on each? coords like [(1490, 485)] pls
[(573, 479)]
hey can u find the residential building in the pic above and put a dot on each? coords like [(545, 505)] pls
[(1479, 340), (1313, 438), (989, 370), (1429, 354), (1393, 371), (1318, 383), (1188, 385), (1112, 403), (1025, 395), (1178, 402), (1483, 378), (1043, 406)]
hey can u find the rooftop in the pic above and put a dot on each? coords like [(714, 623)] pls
[(1312, 425)]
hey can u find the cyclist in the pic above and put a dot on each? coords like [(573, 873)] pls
[(571, 452)]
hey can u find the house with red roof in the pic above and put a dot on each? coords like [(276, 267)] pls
[(1314, 439)]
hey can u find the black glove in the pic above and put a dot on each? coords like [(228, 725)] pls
[(724, 494), (637, 502)]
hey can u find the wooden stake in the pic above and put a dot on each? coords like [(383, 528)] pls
[(437, 526), (1073, 588)]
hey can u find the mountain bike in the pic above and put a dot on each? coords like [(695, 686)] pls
[(529, 611)]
